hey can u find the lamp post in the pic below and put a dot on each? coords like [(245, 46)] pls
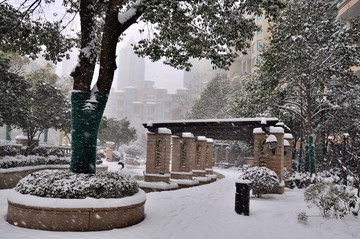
[(286, 146), (271, 141)]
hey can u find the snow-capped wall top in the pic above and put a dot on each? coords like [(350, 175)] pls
[(276, 129), (187, 135), (288, 136), (258, 131), (209, 140), (201, 138), (164, 131)]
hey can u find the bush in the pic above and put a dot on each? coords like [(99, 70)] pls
[(39, 151), (8, 150), (303, 180), (117, 156), (57, 152), (66, 184), (263, 180), (302, 218), (332, 200), (23, 161)]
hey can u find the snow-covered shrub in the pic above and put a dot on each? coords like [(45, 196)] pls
[(303, 180), (332, 200), (56, 152), (117, 156), (8, 150), (289, 183), (263, 180), (302, 217), (66, 184), (243, 167), (39, 151), (23, 161)]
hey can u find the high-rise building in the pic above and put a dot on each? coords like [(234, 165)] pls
[(245, 65), (349, 10), (131, 68), (137, 99)]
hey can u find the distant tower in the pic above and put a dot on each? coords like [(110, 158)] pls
[(131, 68), (199, 76)]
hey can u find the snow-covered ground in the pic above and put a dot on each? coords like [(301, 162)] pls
[(208, 212)]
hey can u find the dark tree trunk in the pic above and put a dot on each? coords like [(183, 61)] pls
[(88, 105)]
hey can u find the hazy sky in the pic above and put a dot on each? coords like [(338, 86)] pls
[(164, 76)]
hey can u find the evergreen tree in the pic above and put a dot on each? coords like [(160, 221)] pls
[(214, 100), (117, 131), (306, 68)]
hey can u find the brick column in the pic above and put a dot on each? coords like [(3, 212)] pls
[(183, 155), (200, 152), (158, 156), (209, 156), (263, 155), (275, 161), (260, 150)]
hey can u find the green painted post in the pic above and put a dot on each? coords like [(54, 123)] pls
[(8, 130), (85, 117)]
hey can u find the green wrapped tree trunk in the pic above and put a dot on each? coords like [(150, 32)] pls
[(86, 116)]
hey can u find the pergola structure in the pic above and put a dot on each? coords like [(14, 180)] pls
[(189, 145), (217, 129)]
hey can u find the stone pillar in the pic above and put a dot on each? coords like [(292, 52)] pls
[(61, 137), (158, 156), (200, 153), (260, 150), (275, 161), (109, 151), (183, 155), (288, 156), (263, 155), (209, 156)]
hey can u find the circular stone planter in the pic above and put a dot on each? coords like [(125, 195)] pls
[(87, 214)]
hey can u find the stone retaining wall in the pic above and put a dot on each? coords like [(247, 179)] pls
[(74, 219)]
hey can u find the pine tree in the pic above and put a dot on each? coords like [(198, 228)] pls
[(214, 100), (306, 67)]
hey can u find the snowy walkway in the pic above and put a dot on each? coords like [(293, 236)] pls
[(207, 212)]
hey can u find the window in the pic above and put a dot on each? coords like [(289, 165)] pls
[(259, 32)]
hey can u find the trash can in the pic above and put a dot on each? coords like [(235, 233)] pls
[(242, 197)]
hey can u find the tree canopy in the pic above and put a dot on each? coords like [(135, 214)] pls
[(214, 102), (117, 131), (305, 76), (176, 30)]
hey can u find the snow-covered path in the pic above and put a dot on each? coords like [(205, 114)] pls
[(208, 212)]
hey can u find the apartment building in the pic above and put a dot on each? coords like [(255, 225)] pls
[(245, 65), (349, 10)]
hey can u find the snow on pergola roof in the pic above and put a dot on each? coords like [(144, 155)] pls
[(218, 129)]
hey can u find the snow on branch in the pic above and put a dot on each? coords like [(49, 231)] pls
[(123, 17)]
